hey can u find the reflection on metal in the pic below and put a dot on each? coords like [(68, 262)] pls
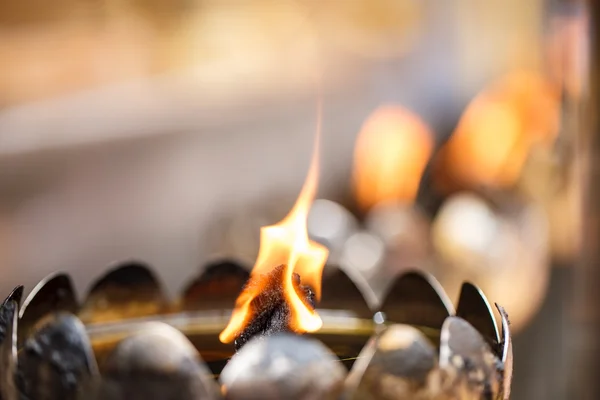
[(462, 348), (57, 361), (9, 313), (284, 366), (401, 362), (507, 352), (165, 364), (474, 307), (54, 293), (14, 296), (396, 364)]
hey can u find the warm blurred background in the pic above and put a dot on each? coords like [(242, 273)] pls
[(171, 130)]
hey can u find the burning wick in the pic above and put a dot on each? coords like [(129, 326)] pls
[(274, 300)]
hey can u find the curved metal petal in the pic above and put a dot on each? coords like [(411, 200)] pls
[(57, 361), (128, 290), (469, 362), (417, 298), (16, 295), (507, 353), (395, 364), (340, 292), (474, 308), (9, 315), (217, 287), (53, 293), (165, 366)]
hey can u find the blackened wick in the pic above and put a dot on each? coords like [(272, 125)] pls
[(269, 311)]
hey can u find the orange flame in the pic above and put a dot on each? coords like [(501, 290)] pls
[(391, 153), (498, 130), (286, 243)]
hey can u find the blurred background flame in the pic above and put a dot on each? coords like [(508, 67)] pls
[(392, 150), (498, 130)]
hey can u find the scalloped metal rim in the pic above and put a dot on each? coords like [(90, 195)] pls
[(336, 323)]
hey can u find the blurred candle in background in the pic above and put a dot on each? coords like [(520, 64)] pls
[(392, 150), (497, 132)]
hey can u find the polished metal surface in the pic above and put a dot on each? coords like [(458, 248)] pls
[(9, 314), (53, 293), (474, 307), (57, 361), (507, 353), (283, 366), (165, 366), (463, 348)]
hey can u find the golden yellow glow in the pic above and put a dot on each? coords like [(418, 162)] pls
[(498, 130), (286, 243), (391, 153)]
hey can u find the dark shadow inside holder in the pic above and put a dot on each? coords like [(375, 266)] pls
[(206, 304), (217, 287), (417, 299), (340, 292), (128, 290)]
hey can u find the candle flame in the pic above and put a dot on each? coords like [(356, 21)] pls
[(391, 153), (286, 243), (498, 131)]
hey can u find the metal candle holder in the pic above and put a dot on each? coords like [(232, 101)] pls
[(126, 332)]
